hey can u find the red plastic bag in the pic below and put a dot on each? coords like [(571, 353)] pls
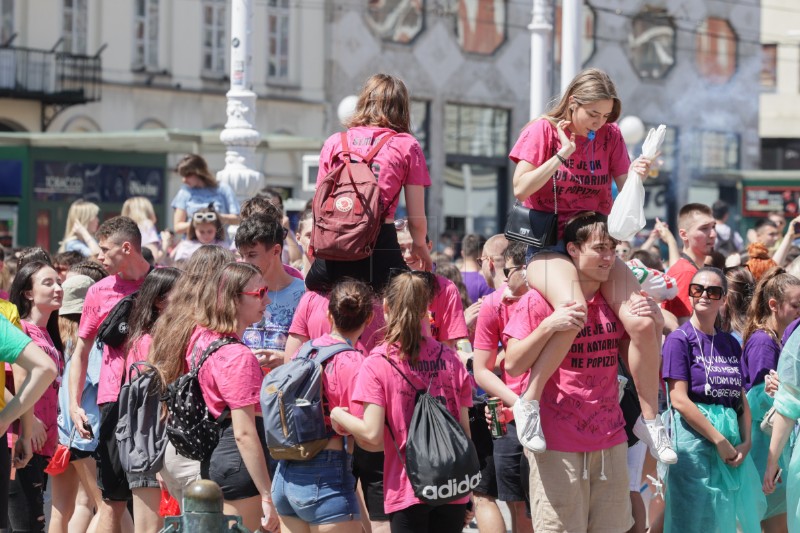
[(59, 462), (169, 505)]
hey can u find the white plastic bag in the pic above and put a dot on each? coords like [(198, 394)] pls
[(627, 213)]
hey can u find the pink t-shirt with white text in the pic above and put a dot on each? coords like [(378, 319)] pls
[(310, 320), (46, 407), (492, 319), (579, 407), (399, 162), (379, 383), (100, 300), (230, 377), (584, 182), (340, 374), (447, 312)]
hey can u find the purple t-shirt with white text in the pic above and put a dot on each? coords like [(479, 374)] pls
[(684, 352), (760, 355)]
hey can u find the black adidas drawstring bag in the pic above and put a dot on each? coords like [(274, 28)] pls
[(441, 462)]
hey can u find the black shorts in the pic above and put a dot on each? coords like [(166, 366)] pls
[(441, 519), (373, 270), (226, 466), (76, 455), (509, 460), (111, 478), (368, 469)]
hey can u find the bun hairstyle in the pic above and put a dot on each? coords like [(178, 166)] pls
[(406, 299), (772, 285), (350, 304), (760, 260)]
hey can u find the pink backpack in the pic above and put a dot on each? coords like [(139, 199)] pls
[(347, 207)]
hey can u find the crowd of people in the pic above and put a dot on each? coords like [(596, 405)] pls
[(647, 385)]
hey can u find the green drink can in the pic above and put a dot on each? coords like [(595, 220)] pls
[(498, 427)]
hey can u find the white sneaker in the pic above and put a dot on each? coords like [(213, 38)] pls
[(529, 425), (654, 435)]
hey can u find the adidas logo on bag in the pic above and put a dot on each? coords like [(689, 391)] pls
[(452, 488)]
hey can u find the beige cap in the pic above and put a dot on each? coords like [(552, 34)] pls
[(75, 288)]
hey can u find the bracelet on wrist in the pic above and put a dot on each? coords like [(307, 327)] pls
[(561, 158), (266, 499)]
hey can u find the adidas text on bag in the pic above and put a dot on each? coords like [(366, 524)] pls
[(347, 208), (190, 427), (291, 402), (141, 427), (441, 461)]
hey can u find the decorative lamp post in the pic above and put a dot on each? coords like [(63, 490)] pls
[(541, 28), (240, 135)]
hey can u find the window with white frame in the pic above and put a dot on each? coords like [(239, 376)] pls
[(278, 21), (214, 40), (6, 20), (73, 31), (145, 35)]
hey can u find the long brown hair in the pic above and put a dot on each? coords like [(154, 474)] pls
[(590, 85), (174, 327), (383, 101), (737, 300), (217, 309), (194, 164), (407, 298), (773, 284)]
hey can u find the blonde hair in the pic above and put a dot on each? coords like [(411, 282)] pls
[(80, 211), (383, 102), (139, 209), (407, 298), (194, 164), (590, 85)]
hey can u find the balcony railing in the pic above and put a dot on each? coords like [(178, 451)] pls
[(54, 77)]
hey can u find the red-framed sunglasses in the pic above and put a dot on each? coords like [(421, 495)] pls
[(260, 292)]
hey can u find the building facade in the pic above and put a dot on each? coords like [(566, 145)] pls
[(691, 65)]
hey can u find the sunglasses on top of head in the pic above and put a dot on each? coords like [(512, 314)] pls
[(714, 292), (199, 218)]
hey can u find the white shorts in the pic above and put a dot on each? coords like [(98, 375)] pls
[(636, 455)]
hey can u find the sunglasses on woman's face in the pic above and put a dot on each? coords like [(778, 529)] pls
[(508, 271), (713, 292), (199, 218), (260, 292)]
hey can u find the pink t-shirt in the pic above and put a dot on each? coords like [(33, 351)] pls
[(340, 375), (231, 377), (139, 351), (579, 407), (100, 300), (311, 320), (400, 162), (46, 408), (379, 383), (584, 182), (492, 319), (446, 312), (682, 272)]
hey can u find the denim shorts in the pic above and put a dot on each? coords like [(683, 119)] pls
[(558, 248), (319, 491)]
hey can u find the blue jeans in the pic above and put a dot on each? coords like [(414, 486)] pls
[(559, 248), (319, 491)]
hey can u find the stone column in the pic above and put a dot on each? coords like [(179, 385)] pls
[(541, 28)]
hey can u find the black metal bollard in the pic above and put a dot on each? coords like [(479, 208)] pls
[(202, 512)]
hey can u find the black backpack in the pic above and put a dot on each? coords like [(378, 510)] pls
[(141, 429), (190, 427), (441, 462), (113, 331)]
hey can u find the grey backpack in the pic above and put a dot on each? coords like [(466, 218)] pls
[(141, 430), (291, 402)]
